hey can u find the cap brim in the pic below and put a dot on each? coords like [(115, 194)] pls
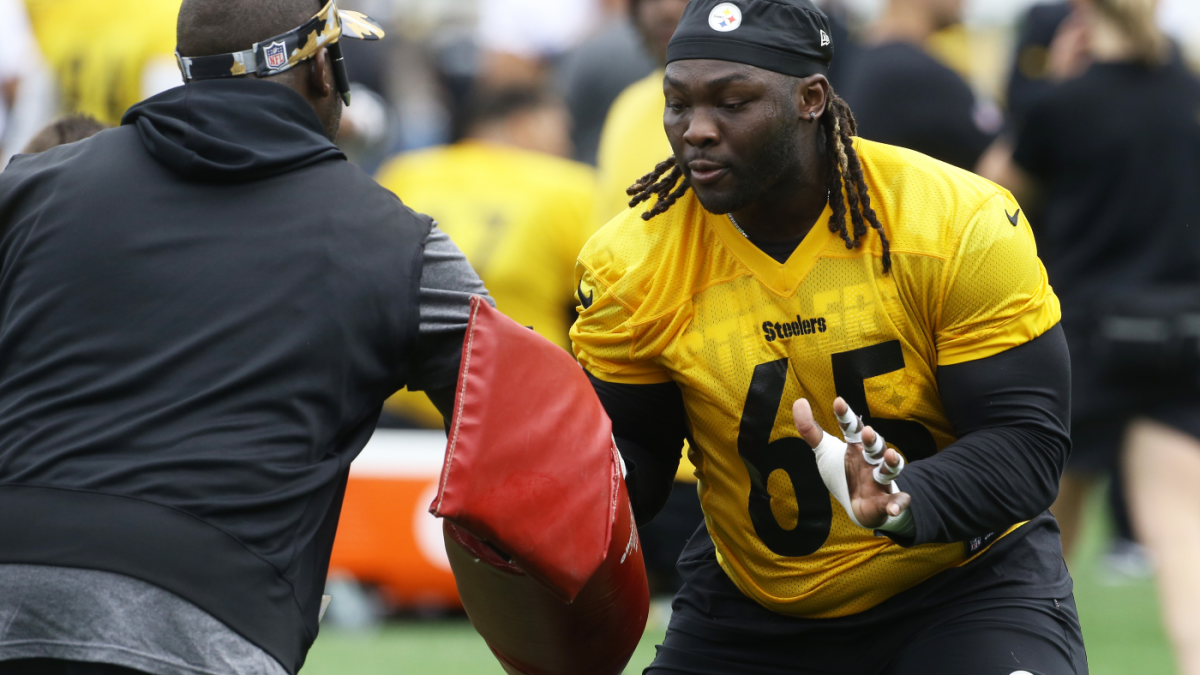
[(359, 26)]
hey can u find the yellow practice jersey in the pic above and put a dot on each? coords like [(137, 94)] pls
[(520, 217), (632, 143), (686, 298), (100, 50)]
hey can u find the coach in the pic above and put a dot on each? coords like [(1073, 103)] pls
[(201, 314)]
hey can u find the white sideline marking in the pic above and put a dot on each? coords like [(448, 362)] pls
[(402, 454)]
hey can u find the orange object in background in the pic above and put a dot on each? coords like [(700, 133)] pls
[(386, 536)]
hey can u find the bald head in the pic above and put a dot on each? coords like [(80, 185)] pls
[(211, 27), (208, 27)]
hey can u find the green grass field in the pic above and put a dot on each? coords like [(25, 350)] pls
[(1120, 624)]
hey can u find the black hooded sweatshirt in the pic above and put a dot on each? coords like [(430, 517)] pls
[(201, 314)]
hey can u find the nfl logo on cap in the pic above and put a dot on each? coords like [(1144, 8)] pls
[(725, 17), (276, 54)]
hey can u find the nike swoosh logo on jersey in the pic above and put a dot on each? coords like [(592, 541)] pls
[(1013, 218), (586, 302)]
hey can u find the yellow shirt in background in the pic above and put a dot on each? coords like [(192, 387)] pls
[(632, 143), (99, 50), (520, 217)]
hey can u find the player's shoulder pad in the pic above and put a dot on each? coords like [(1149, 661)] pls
[(652, 267), (926, 205)]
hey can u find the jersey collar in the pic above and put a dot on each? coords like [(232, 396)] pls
[(783, 279)]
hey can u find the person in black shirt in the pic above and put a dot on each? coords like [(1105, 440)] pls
[(903, 96), (1033, 74), (1115, 157), (1052, 47), (201, 314)]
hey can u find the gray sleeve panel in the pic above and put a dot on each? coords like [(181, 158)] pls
[(447, 283)]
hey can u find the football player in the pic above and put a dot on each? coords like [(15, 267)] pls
[(777, 273)]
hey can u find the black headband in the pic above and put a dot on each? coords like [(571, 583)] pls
[(785, 36)]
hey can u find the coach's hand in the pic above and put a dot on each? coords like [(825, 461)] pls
[(871, 502)]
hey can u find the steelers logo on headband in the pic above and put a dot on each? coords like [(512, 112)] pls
[(725, 17), (784, 36), (282, 52)]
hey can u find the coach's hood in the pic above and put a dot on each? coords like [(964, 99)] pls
[(231, 130)]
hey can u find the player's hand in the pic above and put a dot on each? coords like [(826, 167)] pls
[(871, 500)]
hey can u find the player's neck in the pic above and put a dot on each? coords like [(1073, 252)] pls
[(789, 209)]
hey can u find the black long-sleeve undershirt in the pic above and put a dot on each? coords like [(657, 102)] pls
[(649, 425), (1010, 412)]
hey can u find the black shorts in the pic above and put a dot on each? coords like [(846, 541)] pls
[(965, 621)]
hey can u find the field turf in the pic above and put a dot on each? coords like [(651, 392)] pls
[(1120, 624)]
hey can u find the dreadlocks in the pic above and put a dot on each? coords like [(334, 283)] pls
[(851, 214)]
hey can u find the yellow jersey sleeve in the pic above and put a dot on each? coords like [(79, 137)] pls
[(606, 340), (994, 291)]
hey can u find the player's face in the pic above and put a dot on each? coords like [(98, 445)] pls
[(735, 130)]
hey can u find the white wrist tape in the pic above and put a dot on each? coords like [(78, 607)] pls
[(831, 462), (851, 425)]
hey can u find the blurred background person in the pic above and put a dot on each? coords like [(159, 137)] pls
[(904, 96), (1053, 47), (593, 74), (516, 207), (522, 40), (1035, 68), (26, 86), (107, 56), (843, 30), (633, 140), (1114, 157)]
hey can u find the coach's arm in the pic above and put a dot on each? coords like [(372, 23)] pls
[(1011, 413)]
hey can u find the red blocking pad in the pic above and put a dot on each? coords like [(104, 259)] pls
[(539, 530)]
